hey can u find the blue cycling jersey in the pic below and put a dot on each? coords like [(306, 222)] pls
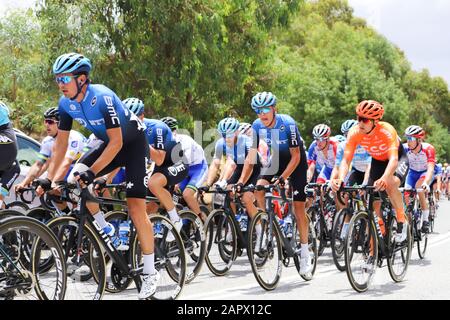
[(4, 114), (361, 159), (100, 110), (283, 136), (238, 152), (438, 169), (159, 135)]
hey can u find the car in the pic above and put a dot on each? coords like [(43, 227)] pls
[(28, 153)]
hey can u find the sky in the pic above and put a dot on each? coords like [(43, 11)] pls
[(420, 28)]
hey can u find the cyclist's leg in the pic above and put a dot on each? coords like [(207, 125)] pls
[(248, 198), (394, 182), (298, 182), (7, 178)]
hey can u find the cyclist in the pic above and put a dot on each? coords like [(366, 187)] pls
[(360, 169), (99, 109), (167, 156), (436, 185), (389, 161), (422, 160), (9, 167), (288, 160), (76, 145), (322, 151), (445, 179), (197, 166), (263, 149)]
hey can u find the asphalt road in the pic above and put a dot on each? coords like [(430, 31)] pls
[(426, 279)]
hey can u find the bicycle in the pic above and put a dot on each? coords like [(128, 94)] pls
[(365, 240), (86, 245), (25, 246), (338, 234), (225, 238), (322, 212), (415, 216), (273, 244)]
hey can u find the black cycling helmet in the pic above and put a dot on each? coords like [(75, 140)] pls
[(52, 113), (172, 123)]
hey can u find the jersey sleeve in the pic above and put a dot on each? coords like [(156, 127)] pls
[(75, 147), (109, 112), (255, 135), (431, 154), (312, 155), (65, 120), (353, 140), (340, 153), (294, 138), (46, 150), (161, 137), (218, 150)]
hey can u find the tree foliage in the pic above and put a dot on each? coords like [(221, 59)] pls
[(205, 59)]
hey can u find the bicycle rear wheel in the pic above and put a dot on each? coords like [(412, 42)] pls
[(193, 235), (28, 281), (338, 239), (361, 251), (88, 276), (170, 258), (399, 253), (221, 240)]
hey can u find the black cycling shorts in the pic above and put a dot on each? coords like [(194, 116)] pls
[(297, 179), (356, 178), (133, 156), (378, 167), (174, 173), (253, 178)]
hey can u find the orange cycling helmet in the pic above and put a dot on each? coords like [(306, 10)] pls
[(370, 109)]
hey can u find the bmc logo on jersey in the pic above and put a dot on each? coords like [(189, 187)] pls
[(294, 140), (159, 138)]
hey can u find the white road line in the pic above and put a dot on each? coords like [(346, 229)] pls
[(229, 292)]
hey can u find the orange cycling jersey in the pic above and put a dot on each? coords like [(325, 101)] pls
[(381, 143)]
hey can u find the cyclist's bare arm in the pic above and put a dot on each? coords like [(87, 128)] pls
[(430, 171), (310, 173), (212, 172), (157, 155), (293, 163), (60, 149), (249, 162)]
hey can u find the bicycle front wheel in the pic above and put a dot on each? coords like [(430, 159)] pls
[(23, 278), (361, 251), (399, 253), (265, 251)]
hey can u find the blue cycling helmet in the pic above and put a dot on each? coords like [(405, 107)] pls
[(340, 138), (347, 125), (74, 63), (263, 99), (135, 105), (228, 126), (4, 113)]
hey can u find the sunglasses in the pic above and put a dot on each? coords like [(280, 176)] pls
[(411, 139), (321, 139), (364, 120), (263, 110), (49, 121), (229, 135), (64, 79)]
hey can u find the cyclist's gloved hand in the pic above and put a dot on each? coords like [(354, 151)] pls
[(237, 188), (426, 187), (44, 183), (222, 184), (280, 181), (100, 183), (204, 189), (86, 176)]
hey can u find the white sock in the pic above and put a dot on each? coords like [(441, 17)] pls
[(173, 215), (149, 263), (425, 214), (100, 219), (304, 249), (258, 229)]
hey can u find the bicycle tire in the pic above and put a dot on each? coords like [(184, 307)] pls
[(337, 243), (218, 221), (313, 247), (398, 250), (66, 230), (45, 240), (267, 251), (359, 226)]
